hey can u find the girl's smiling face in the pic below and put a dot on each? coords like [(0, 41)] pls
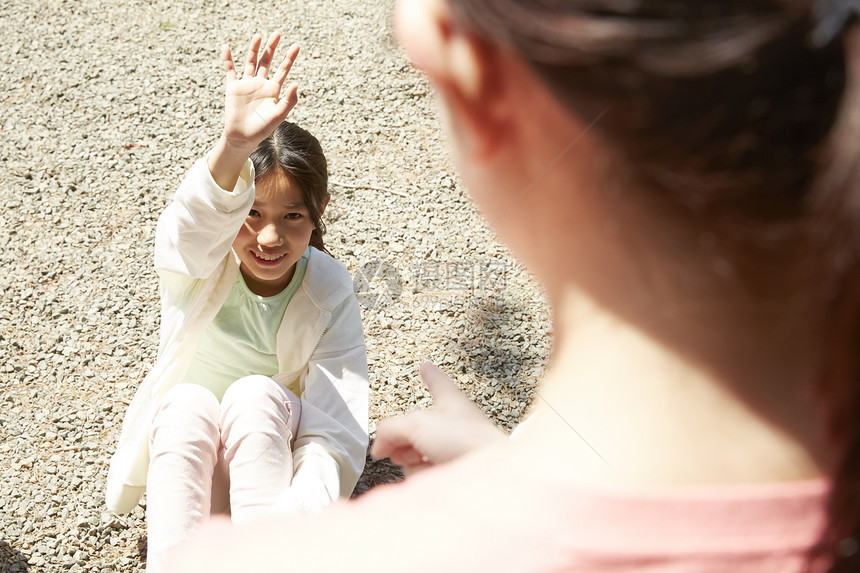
[(275, 234)]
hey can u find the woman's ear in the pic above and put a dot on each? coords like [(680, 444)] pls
[(467, 71)]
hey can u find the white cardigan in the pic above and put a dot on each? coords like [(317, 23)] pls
[(320, 344)]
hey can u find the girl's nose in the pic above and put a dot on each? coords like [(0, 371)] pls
[(270, 236)]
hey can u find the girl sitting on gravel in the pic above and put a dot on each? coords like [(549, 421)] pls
[(683, 176), (258, 400)]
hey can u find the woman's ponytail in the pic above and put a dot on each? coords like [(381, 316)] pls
[(836, 204)]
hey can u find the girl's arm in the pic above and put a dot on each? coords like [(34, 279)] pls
[(196, 231), (331, 442), (253, 107)]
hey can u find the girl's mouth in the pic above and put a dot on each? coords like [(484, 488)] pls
[(267, 260)]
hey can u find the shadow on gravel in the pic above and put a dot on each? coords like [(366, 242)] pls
[(500, 350), (497, 348), (141, 549), (376, 472), (12, 560)]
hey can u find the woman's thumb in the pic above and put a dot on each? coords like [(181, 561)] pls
[(441, 387)]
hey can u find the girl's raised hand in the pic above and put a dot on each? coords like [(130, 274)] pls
[(254, 105)]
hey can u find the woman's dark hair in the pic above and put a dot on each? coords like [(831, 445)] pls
[(300, 154), (742, 118)]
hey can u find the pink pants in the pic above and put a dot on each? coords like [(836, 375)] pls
[(234, 457)]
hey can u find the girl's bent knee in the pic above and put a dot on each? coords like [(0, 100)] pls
[(260, 393), (187, 417), (252, 389), (185, 402)]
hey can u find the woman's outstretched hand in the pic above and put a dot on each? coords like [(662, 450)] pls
[(253, 106), (452, 427)]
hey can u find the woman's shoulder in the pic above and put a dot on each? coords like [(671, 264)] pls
[(506, 503)]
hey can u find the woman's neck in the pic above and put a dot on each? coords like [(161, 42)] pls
[(667, 367), (629, 408)]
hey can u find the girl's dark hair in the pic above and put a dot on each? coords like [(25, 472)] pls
[(731, 115), (300, 154)]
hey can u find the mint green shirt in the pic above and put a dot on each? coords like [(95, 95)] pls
[(242, 340)]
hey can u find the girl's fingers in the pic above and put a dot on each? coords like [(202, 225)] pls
[(289, 99), (251, 60), (286, 64), (227, 58), (267, 55), (285, 105)]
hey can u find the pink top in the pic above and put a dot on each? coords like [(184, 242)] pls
[(452, 519)]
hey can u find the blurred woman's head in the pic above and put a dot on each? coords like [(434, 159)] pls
[(717, 140)]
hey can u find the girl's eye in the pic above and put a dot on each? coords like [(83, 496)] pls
[(293, 216), (253, 213)]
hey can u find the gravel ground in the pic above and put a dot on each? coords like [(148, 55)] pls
[(105, 105)]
